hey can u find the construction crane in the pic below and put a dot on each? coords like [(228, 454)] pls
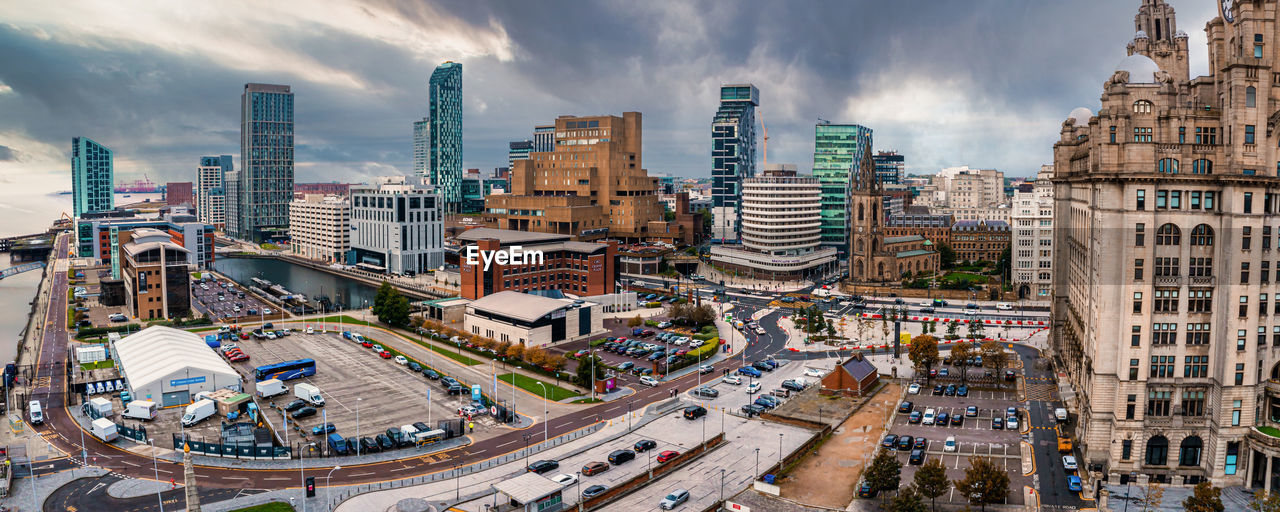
[(823, 121), (766, 138)]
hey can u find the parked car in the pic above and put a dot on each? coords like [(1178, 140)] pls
[(905, 407), (942, 419), (917, 457), (1073, 483), (674, 499), (327, 428), (565, 479), (957, 420), (594, 468), (950, 444), (732, 379), (430, 374), (295, 405), (621, 457), (753, 388), (971, 411), (962, 391), (913, 389), (997, 424), (303, 412), (752, 409), (542, 466), (593, 491), (1069, 463), (368, 445), (644, 445), (402, 360), (916, 417), (750, 371), (706, 392), (905, 443), (866, 491), (667, 455), (890, 441), (384, 354), (694, 412)]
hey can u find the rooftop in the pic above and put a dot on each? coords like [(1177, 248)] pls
[(157, 352), (917, 252), (858, 367), (508, 236), (902, 239), (528, 487), (521, 306)]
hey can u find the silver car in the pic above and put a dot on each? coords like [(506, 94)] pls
[(674, 499)]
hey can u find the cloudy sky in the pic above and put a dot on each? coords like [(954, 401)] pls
[(984, 83)]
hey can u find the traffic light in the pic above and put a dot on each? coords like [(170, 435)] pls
[(311, 487)]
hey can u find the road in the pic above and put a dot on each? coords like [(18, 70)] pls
[(1051, 478)]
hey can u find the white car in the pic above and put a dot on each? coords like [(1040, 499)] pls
[(649, 381), (950, 445), (271, 335), (310, 330), (696, 343), (929, 414), (266, 311), (1011, 423), (1004, 306), (760, 331), (814, 372), (565, 479), (753, 388), (925, 303), (1069, 463), (401, 360), (732, 379), (913, 389), (377, 348)]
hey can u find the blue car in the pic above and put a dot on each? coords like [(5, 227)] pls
[(626, 366), (747, 370), (1073, 483), (327, 428)]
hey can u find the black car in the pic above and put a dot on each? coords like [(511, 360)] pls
[(941, 419), (644, 444), (457, 389), (752, 409), (921, 443), (421, 427), (917, 457), (762, 366), (927, 310), (430, 374), (368, 445), (950, 391), (295, 405), (765, 403), (889, 441), (621, 456), (706, 392), (937, 390), (414, 367), (905, 443), (694, 412), (905, 407), (957, 419), (866, 491), (1009, 375), (385, 442), (303, 412), (792, 385), (593, 491), (542, 466)]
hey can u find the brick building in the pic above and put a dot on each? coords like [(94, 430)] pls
[(579, 268), (979, 240)]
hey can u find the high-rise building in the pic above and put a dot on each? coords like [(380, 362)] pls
[(320, 227), (397, 226), (92, 177), (593, 185), (518, 150), (962, 187), (179, 193), (733, 156), (841, 152), (1031, 247), (266, 162), (889, 166), (211, 192), (781, 229), (422, 147), (445, 134), (1165, 313), (544, 139)]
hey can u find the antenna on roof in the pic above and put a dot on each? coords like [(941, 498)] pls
[(823, 121)]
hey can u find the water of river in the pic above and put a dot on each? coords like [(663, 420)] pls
[(297, 279)]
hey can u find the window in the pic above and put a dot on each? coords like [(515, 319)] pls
[(1168, 234), (1137, 270), (1164, 334), (1195, 200), (1142, 107), (1246, 237), (1257, 51), (1196, 366), (1248, 202), (1244, 272), (1126, 446), (1201, 267), (1189, 451), (1182, 135), (1166, 267), (1208, 201), (1166, 301), (1206, 135), (1158, 402), (1202, 166), (1244, 306), (1198, 334), (1137, 302), (1162, 366), (1233, 449), (1113, 135), (1158, 446), (1135, 339), (1175, 199), (1142, 134), (1128, 410), (1240, 339), (1133, 371), (1140, 234), (1167, 166), (1162, 199), (1248, 134), (1250, 97), (1235, 415), (1202, 235), (1193, 403)]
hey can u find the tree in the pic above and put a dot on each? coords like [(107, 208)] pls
[(885, 473), (390, 306), (516, 351), (993, 355), (1005, 263), (536, 356), (860, 325), (1264, 501), (1152, 497), (959, 353), (635, 321), (583, 374), (975, 329), (1204, 498), (952, 327), (984, 482), (381, 298), (931, 481), (946, 256), (907, 500), (831, 329), (923, 352)]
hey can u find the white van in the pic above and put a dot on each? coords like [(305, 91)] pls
[(928, 417), (1005, 306), (1060, 414), (35, 413)]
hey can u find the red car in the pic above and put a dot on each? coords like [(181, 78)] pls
[(244, 335), (667, 455), (366, 344), (238, 357), (384, 354), (581, 353)]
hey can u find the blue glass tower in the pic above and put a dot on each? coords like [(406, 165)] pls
[(445, 148), (266, 163), (91, 176), (840, 153), (733, 154)]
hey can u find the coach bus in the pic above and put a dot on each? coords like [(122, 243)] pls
[(287, 370)]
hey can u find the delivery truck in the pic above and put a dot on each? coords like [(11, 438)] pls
[(140, 410), (309, 393), (98, 407), (103, 429), (197, 412), (271, 387)]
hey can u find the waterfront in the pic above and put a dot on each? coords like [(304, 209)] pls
[(297, 279)]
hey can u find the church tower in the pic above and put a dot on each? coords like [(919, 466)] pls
[(1157, 37), (866, 205)]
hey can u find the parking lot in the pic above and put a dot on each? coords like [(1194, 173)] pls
[(642, 361), (735, 396), (205, 299)]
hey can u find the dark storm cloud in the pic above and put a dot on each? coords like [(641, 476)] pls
[(982, 83)]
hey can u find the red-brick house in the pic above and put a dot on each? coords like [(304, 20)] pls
[(854, 377)]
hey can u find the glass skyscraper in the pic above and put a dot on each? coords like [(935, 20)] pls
[(91, 177), (421, 146), (839, 151), (544, 138), (266, 162), (445, 161), (733, 153), (889, 166), (518, 150)]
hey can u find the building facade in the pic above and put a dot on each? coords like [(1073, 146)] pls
[(934, 227), (889, 166), (211, 192), (874, 256), (1032, 238), (422, 147), (157, 277), (92, 177), (532, 320), (178, 193), (592, 186), (781, 229), (445, 135), (733, 155), (544, 139), (397, 227), (320, 227), (266, 162), (841, 152), (579, 268), (979, 240), (1163, 297), (100, 237), (518, 150)]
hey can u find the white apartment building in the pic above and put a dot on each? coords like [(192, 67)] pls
[(962, 187), (211, 192), (397, 226), (781, 229), (320, 227), (999, 212), (1032, 238)]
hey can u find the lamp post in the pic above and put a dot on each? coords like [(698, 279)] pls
[(579, 481), (779, 451), (757, 473), (721, 485), (526, 450), (1133, 475), (155, 468), (457, 482), (326, 482), (358, 400), (545, 418)]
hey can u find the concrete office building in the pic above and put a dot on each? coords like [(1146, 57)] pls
[(266, 162), (781, 229), (422, 147), (518, 150), (841, 152), (92, 177), (544, 139), (733, 156), (444, 148), (889, 167), (962, 187), (211, 192), (100, 237), (1032, 238), (320, 227), (397, 226), (157, 277)]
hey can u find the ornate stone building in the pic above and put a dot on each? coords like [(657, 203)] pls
[(873, 256), (1166, 317)]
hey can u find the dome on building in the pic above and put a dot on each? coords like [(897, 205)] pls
[(1080, 116), (1180, 34), (1142, 70), (1142, 34)]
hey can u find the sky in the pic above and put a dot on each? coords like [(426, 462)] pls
[(984, 83)]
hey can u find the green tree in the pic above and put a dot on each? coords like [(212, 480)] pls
[(959, 353), (931, 481), (952, 327), (390, 306), (1264, 501), (583, 374), (1204, 498), (975, 329), (946, 256), (831, 329), (907, 500), (923, 352), (381, 299), (885, 473), (984, 483), (1005, 263)]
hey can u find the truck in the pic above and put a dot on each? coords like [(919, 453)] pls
[(197, 412), (140, 410), (337, 445), (98, 407), (103, 429), (271, 387), (309, 393)]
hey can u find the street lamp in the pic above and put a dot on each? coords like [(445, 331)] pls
[(156, 469), (721, 485), (326, 483), (545, 418), (1133, 475), (514, 369), (779, 452), (757, 473), (579, 482), (358, 400)]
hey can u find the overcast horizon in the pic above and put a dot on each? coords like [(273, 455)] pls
[(985, 84)]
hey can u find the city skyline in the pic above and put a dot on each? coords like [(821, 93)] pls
[(896, 83)]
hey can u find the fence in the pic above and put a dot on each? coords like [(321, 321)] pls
[(137, 434), (232, 450)]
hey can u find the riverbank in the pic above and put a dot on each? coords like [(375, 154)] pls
[(373, 280)]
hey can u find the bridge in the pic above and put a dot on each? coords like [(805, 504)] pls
[(26, 267)]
